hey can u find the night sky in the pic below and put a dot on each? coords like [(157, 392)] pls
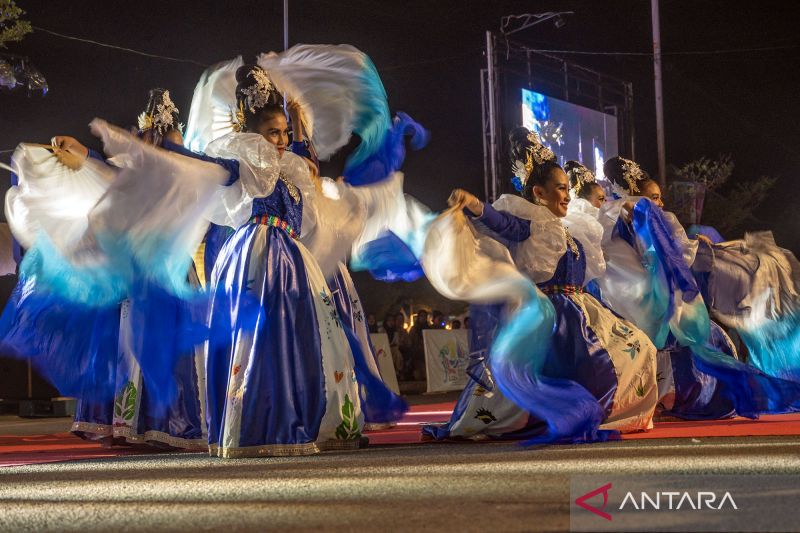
[(429, 54)]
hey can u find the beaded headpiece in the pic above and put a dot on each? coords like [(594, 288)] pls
[(160, 116), (581, 175), (631, 173), (254, 98), (536, 154)]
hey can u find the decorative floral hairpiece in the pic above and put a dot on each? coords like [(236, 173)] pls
[(582, 176), (163, 118), (237, 117), (257, 95), (536, 154), (631, 173)]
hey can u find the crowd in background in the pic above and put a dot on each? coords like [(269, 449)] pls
[(408, 348)]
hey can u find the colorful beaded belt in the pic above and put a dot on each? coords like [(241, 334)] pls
[(562, 289), (275, 222)]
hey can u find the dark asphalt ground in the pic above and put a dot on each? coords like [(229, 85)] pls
[(425, 487)]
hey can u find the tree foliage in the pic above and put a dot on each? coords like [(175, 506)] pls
[(729, 206), (12, 27)]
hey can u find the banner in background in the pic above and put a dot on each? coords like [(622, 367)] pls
[(446, 358), (383, 354)]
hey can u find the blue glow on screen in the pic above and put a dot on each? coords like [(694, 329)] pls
[(571, 131)]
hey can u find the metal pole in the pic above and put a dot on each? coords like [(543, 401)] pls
[(662, 164), (490, 78), (484, 128), (631, 125), (285, 24)]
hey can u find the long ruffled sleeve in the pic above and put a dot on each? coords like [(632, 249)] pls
[(537, 256), (681, 239), (462, 264), (231, 165), (131, 236), (509, 227)]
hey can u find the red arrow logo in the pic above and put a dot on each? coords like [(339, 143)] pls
[(581, 502)]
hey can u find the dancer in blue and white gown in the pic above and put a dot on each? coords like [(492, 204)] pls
[(684, 391), (130, 417), (275, 329), (560, 368), (275, 334), (648, 280), (96, 235), (752, 286)]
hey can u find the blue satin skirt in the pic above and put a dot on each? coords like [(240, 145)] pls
[(132, 415), (592, 348), (280, 374), (693, 394)]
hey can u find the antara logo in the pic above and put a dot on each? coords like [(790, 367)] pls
[(674, 501), (581, 502), (671, 501)]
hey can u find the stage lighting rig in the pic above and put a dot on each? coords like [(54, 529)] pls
[(514, 23)]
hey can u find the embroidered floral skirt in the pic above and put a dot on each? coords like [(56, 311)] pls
[(591, 346), (130, 416), (280, 374)]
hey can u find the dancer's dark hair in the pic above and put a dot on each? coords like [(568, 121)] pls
[(246, 83), (521, 143)]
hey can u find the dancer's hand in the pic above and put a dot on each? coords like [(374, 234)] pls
[(174, 136), (627, 213), (69, 144), (296, 117), (705, 240), (462, 199)]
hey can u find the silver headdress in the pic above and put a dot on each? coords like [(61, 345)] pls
[(537, 153), (582, 176), (162, 118), (631, 173), (256, 96)]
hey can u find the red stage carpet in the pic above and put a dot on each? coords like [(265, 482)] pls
[(407, 431), (34, 449)]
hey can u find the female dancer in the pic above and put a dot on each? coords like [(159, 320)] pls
[(595, 368), (282, 192), (280, 375), (584, 189), (130, 418), (648, 279)]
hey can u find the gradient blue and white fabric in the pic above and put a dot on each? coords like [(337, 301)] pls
[(667, 257), (752, 285), (391, 244), (128, 232), (340, 93), (566, 368)]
